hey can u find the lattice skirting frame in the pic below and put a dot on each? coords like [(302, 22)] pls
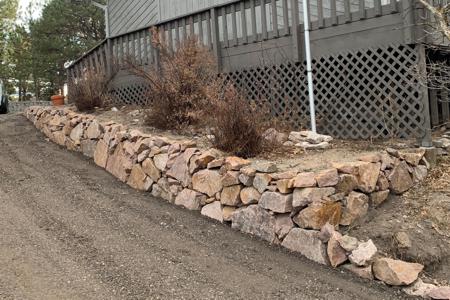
[(361, 94), (130, 94)]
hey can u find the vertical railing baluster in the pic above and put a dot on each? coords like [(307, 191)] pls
[(285, 17), (225, 27), (334, 19), (208, 29), (244, 23), (139, 47), (393, 5), (253, 19), (377, 6), (320, 19), (234, 25), (362, 9), (191, 26), (347, 11), (200, 29), (264, 19), (274, 18), (215, 38), (177, 34), (170, 37), (184, 29), (122, 50), (145, 46), (295, 30)]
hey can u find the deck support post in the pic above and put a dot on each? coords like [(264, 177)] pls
[(426, 139), (216, 38), (295, 31)]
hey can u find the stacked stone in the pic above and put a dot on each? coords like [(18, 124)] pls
[(300, 211)]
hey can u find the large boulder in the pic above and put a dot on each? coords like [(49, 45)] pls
[(138, 179), (207, 181), (368, 174), (304, 180), (399, 179), (231, 195), (303, 197), (190, 199), (364, 254), (249, 195), (180, 167), (119, 164), (255, 220), (327, 178), (396, 272), (307, 243), (356, 208), (317, 214), (276, 202)]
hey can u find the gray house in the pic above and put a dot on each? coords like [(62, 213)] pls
[(364, 53)]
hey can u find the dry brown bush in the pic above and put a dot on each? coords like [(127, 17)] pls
[(177, 89), (236, 124), (90, 91)]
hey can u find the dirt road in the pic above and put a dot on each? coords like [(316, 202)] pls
[(69, 230)]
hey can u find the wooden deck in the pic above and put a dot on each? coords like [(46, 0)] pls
[(363, 55)]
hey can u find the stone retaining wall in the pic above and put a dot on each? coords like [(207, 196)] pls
[(300, 211)]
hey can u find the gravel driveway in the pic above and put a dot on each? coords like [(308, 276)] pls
[(69, 230)]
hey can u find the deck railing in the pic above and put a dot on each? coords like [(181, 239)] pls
[(238, 23)]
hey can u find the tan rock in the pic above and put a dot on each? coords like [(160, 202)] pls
[(261, 181), (382, 183), (303, 197), (419, 173), (368, 176), (119, 164), (217, 163), (213, 211), (396, 272), (205, 158), (304, 180), (265, 167), (348, 243), (230, 178), (88, 147), (77, 133), (248, 171), (307, 243), (161, 160), (441, 293), (421, 289), (138, 179), (180, 167), (246, 180), (399, 179), (190, 199), (283, 225), (412, 157), (235, 163), (356, 208), (347, 183), (227, 213), (284, 186), (231, 195), (207, 181), (348, 167), (151, 170), (284, 175), (249, 195), (327, 178), (364, 254), (317, 214), (276, 202), (60, 138), (336, 254), (94, 131), (256, 221), (363, 272), (378, 198)]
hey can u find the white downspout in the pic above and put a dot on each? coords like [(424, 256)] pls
[(312, 107)]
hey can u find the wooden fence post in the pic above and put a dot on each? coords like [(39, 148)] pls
[(216, 38)]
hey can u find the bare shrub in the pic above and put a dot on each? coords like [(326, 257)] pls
[(177, 89), (90, 91), (236, 124)]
